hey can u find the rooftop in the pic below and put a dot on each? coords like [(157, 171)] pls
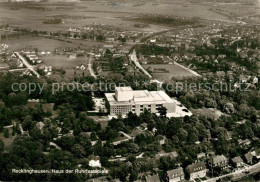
[(175, 172), (195, 167), (154, 178), (219, 158), (237, 159), (138, 97), (124, 89)]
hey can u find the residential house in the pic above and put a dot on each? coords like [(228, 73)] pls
[(254, 80), (243, 55), (256, 154), (19, 63), (94, 163), (219, 161), (153, 40), (38, 61), (249, 158), (197, 170), (201, 155), (110, 39), (172, 155), (4, 66), (245, 142), (230, 75), (72, 56), (13, 55), (162, 140), (222, 56), (154, 178), (81, 67), (220, 74), (27, 72), (237, 161), (175, 175), (234, 66), (242, 79), (47, 68)]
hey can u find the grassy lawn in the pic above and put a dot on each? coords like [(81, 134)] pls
[(103, 120), (63, 62), (8, 141)]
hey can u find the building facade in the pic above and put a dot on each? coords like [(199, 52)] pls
[(175, 175), (125, 100), (219, 161), (197, 170)]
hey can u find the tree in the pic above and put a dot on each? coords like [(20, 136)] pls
[(123, 173), (132, 148), (133, 175), (66, 142), (78, 150), (2, 146), (108, 53), (100, 38), (6, 133), (131, 158), (163, 111), (14, 129), (28, 123), (77, 129), (84, 36)]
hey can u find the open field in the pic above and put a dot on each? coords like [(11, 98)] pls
[(47, 44), (97, 12), (239, 9), (173, 71), (90, 12), (63, 62), (42, 44)]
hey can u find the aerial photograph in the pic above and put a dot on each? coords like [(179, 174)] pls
[(130, 90)]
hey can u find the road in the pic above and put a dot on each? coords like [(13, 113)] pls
[(25, 62), (135, 60), (238, 174), (90, 67)]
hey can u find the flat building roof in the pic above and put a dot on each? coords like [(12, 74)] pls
[(140, 97)]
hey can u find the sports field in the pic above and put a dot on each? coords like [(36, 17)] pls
[(173, 71)]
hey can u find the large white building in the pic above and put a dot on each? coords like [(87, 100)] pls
[(125, 100)]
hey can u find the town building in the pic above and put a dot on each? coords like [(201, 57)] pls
[(219, 161), (175, 175), (237, 161), (94, 163), (256, 154), (197, 170), (4, 66), (201, 155), (154, 178), (125, 100), (249, 158)]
